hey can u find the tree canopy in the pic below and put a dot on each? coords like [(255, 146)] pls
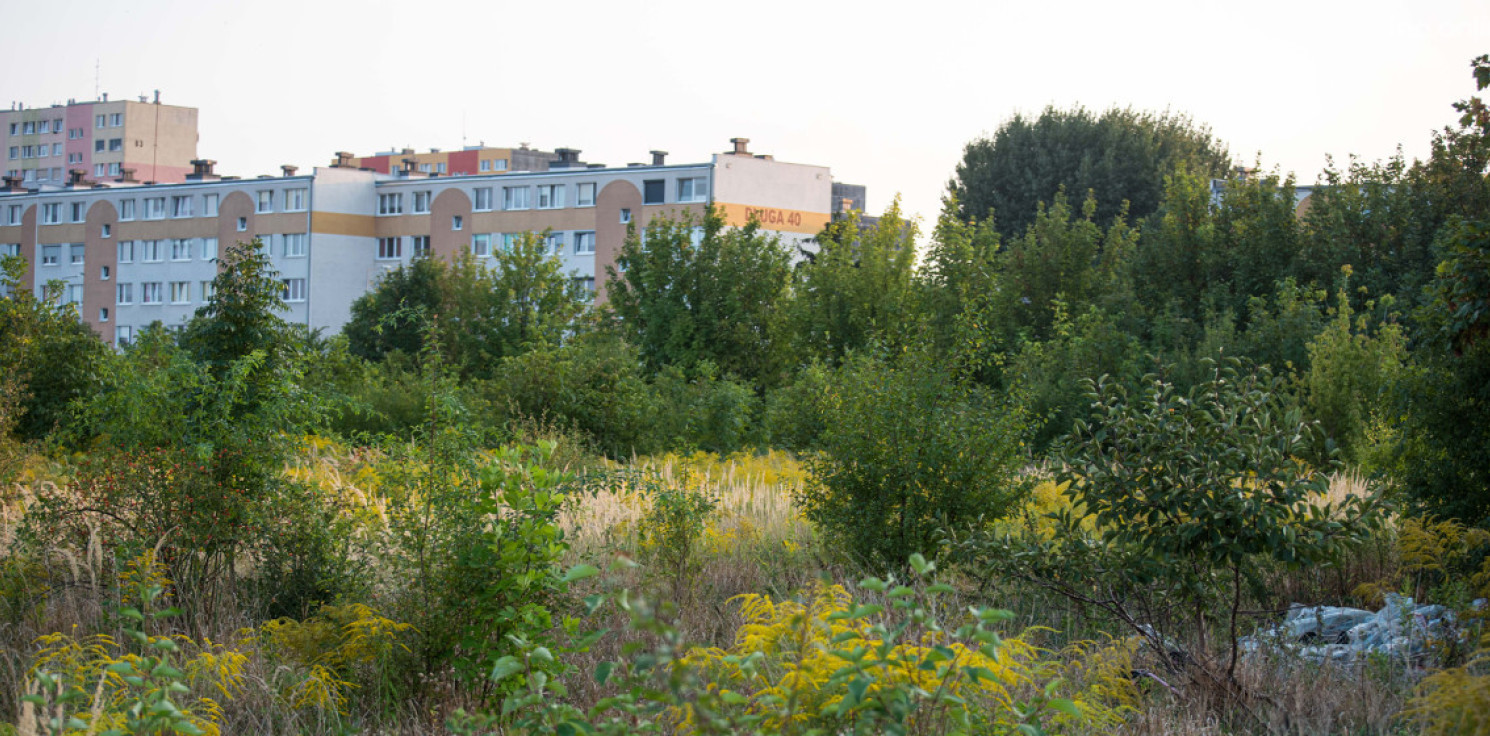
[(1121, 156)]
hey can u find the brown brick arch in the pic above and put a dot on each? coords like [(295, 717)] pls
[(444, 242), (100, 253), (610, 233)]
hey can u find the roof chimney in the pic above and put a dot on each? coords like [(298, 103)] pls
[(659, 158), (157, 97), (288, 169), (343, 160), (201, 170), (568, 158), (127, 175), (740, 146), (13, 184), (75, 177)]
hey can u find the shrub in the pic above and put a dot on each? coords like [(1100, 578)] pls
[(908, 448), (1176, 499)]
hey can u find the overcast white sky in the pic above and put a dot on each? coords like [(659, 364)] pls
[(885, 93)]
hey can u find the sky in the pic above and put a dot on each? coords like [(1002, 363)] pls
[(886, 94)]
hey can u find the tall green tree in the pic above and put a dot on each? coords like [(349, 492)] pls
[(50, 357), (387, 319), (687, 292), (1122, 156), (858, 288)]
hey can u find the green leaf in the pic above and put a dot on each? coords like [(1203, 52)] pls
[(505, 667), (580, 572), (602, 671), (1066, 706)]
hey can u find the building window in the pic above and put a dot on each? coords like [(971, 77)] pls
[(514, 198), (99, 144), (499, 164), (207, 291), (294, 290), (481, 244), (181, 206), (100, 170), (56, 149), (421, 246), (483, 198), (103, 314), (585, 195), (209, 249), (390, 248), (209, 205), (585, 283), (150, 251), (509, 241), (126, 251), (51, 213), (390, 204), (695, 189), (113, 169), (15, 214), (155, 208), (266, 202), (266, 243), (99, 120), (127, 209), (75, 253), (41, 151), (116, 120), (77, 212), (555, 243), (180, 249), (584, 243), (180, 292), (295, 200), (295, 245), (75, 294), (421, 203), (150, 292), (653, 191), (15, 152), (484, 166), (457, 222), (424, 168), (103, 273), (243, 224), (50, 254), (551, 196), (122, 336), (116, 144), (126, 294), (74, 133), (106, 230), (625, 215)]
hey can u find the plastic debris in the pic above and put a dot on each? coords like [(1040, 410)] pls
[(1331, 633)]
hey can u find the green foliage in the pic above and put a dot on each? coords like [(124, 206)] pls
[(671, 529), (594, 385), (482, 311), (50, 357), (858, 288), (391, 317), (1121, 156), (909, 448), (794, 413), (705, 411), (1048, 375), (1352, 372), (242, 315), (1176, 498), (686, 293)]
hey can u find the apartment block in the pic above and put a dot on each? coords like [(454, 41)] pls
[(104, 139), (130, 254), (469, 160)]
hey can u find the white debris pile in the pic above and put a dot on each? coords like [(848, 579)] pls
[(1332, 633)]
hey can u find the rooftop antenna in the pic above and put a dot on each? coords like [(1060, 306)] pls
[(462, 128), (97, 72)]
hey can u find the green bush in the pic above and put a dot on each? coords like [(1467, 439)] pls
[(910, 448), (793, 414)]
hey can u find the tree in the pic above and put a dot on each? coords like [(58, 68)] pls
[(1174, 501), (481, 311), (687, 293), (1121, 156), (50, 357), (243, 314), (857, 289)]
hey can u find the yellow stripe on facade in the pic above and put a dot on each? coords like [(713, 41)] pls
[(341, 223), (774, 218)]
